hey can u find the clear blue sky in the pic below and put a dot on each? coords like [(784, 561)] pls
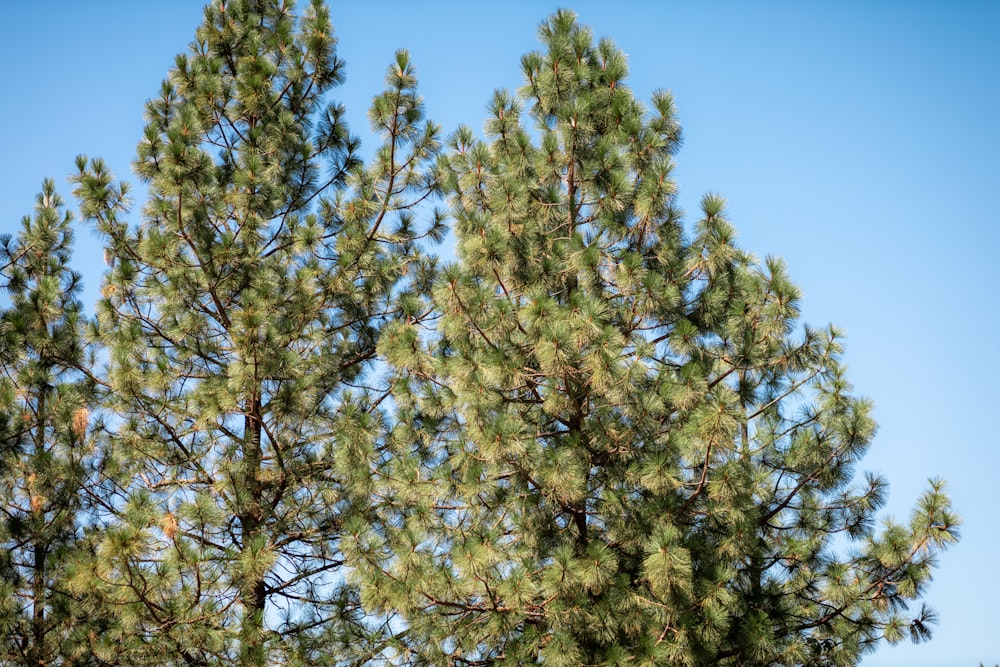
[(858, 140)]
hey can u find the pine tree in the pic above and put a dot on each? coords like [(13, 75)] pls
[(45, 403), (241, 317), (618, 445)]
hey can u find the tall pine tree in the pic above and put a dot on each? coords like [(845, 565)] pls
[(45, 404), (241, 317), (619, 446)]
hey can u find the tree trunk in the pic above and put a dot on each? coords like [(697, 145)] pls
[(252, 590), (36, 651)]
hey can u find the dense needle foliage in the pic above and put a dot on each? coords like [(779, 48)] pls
[(597, 437), (240, 317), (45, 404), (618, 446)]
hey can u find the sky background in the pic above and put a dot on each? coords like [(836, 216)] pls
[(857, 140)]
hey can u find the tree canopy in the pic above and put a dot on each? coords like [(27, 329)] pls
[(45, 403), (629, 449), (598, 436)]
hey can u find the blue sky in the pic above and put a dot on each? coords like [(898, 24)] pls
[(858, 140)]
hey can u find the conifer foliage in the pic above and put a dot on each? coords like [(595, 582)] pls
[(598, 437), (45, 404), (618, 446), (241, 316)]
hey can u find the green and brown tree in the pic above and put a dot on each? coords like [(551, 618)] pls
[(618, 445), (45, 404), (241, 316)]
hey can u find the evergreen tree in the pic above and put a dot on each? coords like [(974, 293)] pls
[(618, 446), (45, 403), (241, 317)]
